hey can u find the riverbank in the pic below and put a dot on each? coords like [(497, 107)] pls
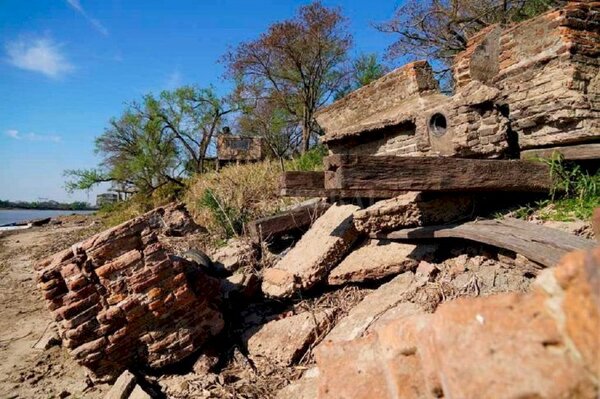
[(28, 371)]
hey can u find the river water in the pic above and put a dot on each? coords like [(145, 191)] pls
[(8, 216)]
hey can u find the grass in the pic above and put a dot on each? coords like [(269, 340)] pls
[(575, 194)]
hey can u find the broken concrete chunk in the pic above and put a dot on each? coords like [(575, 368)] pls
[(139, 393), (375, 305), (122, 387), (376, 259), (304, 388), (240, 285), (285, 340), (121, 298), (234, 255), (321, 248), (413, 209), (539, 344)]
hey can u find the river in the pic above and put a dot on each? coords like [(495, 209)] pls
[(8, 216)]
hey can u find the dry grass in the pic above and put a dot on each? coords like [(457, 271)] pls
[(223, 202)]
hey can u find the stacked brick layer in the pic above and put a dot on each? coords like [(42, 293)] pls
[(119, 298)]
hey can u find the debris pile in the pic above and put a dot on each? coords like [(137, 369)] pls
[(119, 298), (393, 287)]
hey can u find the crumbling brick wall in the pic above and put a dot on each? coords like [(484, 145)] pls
[(547, 71), (120, 299), (531, 85)]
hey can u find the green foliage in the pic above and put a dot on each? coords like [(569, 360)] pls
[(574, 195), (46, 205), (231, 219), (309, 161)]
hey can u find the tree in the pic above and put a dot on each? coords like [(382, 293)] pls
[(193, 116), (300, 63), (136, 152), (440, 29), (274, 125), (366, 68)]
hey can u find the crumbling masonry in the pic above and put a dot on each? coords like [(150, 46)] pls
[(532, 85)]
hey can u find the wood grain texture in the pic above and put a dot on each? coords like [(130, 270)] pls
[(573, 152), (540, 244), (355, 172), (292, 220), (312, 184)]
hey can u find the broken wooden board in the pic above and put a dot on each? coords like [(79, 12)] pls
[(294, 220), (574, 152), (540, 244), (312, 184), (357, 172)]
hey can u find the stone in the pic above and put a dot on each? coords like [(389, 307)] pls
[(240, 285), (578, 276), (384, 364), (413, 209), (390, 297), (376, 259), (49, 339), (284, 341), (478, 344), (304, 388), (122, 386), (139, 393), (426, 269), (309, 261), (205, 363), (543, 343), (235, 254), (120, 298)]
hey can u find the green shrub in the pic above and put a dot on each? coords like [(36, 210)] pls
[(309, 161)]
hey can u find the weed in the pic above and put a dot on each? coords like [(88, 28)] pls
[(574, 195)]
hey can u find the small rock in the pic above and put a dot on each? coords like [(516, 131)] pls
[(426, 269), (139, 393), (122, 387), (284, 341), (234, 255), (64, 394), (204, 363)]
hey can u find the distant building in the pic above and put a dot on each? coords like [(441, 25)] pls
[(106, 198), (239, 149)]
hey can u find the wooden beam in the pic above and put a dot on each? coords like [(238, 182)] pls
[(573, 152), (356, 172), (540, 244), (312, 184), (293, 220)]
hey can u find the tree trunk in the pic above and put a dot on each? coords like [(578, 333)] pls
[(305, 135)]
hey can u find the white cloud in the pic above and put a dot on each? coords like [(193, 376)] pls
[(14, 134), (174, 80), (38, 55), (76, 4)]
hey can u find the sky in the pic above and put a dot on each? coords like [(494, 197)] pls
[(68, 66)]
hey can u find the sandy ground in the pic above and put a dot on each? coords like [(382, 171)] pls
[(27, 372)]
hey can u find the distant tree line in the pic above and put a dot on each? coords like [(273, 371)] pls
[(280, 79), (46, 205)]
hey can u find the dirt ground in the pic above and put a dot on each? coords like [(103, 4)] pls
[(27, 372)]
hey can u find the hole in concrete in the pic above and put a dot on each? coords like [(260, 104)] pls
[(438, 124)]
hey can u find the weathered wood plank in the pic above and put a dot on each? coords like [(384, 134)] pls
[(312, 184), (293, 220), (574, 152), (356, 172), (538, 243)]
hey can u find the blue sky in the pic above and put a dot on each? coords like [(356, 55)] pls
[(68, 66)]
